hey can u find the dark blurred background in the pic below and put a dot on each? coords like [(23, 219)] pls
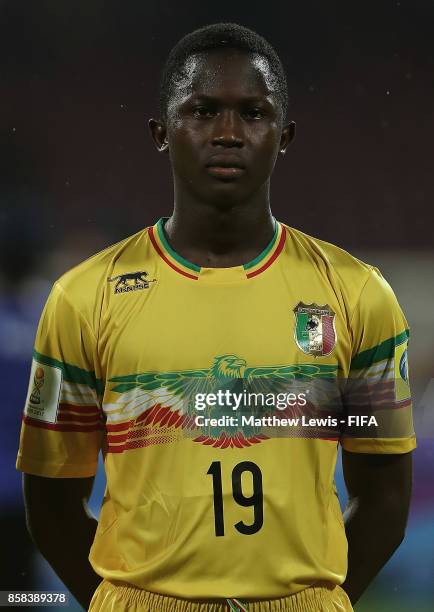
[(78, 171)]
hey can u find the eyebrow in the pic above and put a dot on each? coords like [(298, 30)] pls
[(245, 99)]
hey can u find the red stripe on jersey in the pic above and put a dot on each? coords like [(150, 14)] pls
[(258, 438), (227, 442), (134, 444), (328, 334), (166, 417), (274, 256), (119, 426), (163, 256), (220, 440), (82, 418), (117, 438), (89, 409), (200, 439), (174, 419), (240, 439), (131, 435), (62, 426), (149, 414), (148, 430), (159, 415), (181, 421)]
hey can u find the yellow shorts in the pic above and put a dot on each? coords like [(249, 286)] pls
[(119, 597)]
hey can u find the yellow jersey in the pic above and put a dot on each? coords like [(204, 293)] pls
[(135, 349)]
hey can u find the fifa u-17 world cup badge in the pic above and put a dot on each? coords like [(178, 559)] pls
[(315, 330), (43, 395)]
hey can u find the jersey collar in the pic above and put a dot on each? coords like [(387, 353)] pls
[(190, 270)]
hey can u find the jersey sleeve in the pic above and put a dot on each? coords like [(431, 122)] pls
[(377, 400), (62, 425)]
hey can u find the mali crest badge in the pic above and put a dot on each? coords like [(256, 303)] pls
[(315, 330)]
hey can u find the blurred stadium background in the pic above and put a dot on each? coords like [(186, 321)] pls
[(78, 172)]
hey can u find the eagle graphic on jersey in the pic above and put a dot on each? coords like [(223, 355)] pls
[(168, 399)]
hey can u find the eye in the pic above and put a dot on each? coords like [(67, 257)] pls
[(203, 112), (254, 113)]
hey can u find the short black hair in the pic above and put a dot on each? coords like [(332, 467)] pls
[(220, 36)]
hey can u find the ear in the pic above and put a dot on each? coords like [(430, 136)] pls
[(159, 134), (288, 135)]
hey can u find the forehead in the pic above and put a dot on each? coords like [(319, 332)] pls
[(219, 72)]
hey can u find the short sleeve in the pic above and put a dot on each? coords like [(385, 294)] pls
[(377, 398), (62, 425)]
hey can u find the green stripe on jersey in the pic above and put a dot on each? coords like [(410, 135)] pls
[(72, 373), (174, 254), (382, 351), (265, 252)]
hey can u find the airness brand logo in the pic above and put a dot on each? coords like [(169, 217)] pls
[(131, 281)]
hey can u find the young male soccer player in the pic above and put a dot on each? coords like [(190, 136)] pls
[(200, 515)]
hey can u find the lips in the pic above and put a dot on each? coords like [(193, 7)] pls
[(225, 161), (225, 166)]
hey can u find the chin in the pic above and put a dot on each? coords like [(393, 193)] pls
[(227, 193)]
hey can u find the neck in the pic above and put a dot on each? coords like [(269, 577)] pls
[(215, 235)]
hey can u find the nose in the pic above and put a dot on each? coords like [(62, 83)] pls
[(228, 130)]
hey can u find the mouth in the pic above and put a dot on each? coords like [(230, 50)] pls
[(225, 167), (225, 172)]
